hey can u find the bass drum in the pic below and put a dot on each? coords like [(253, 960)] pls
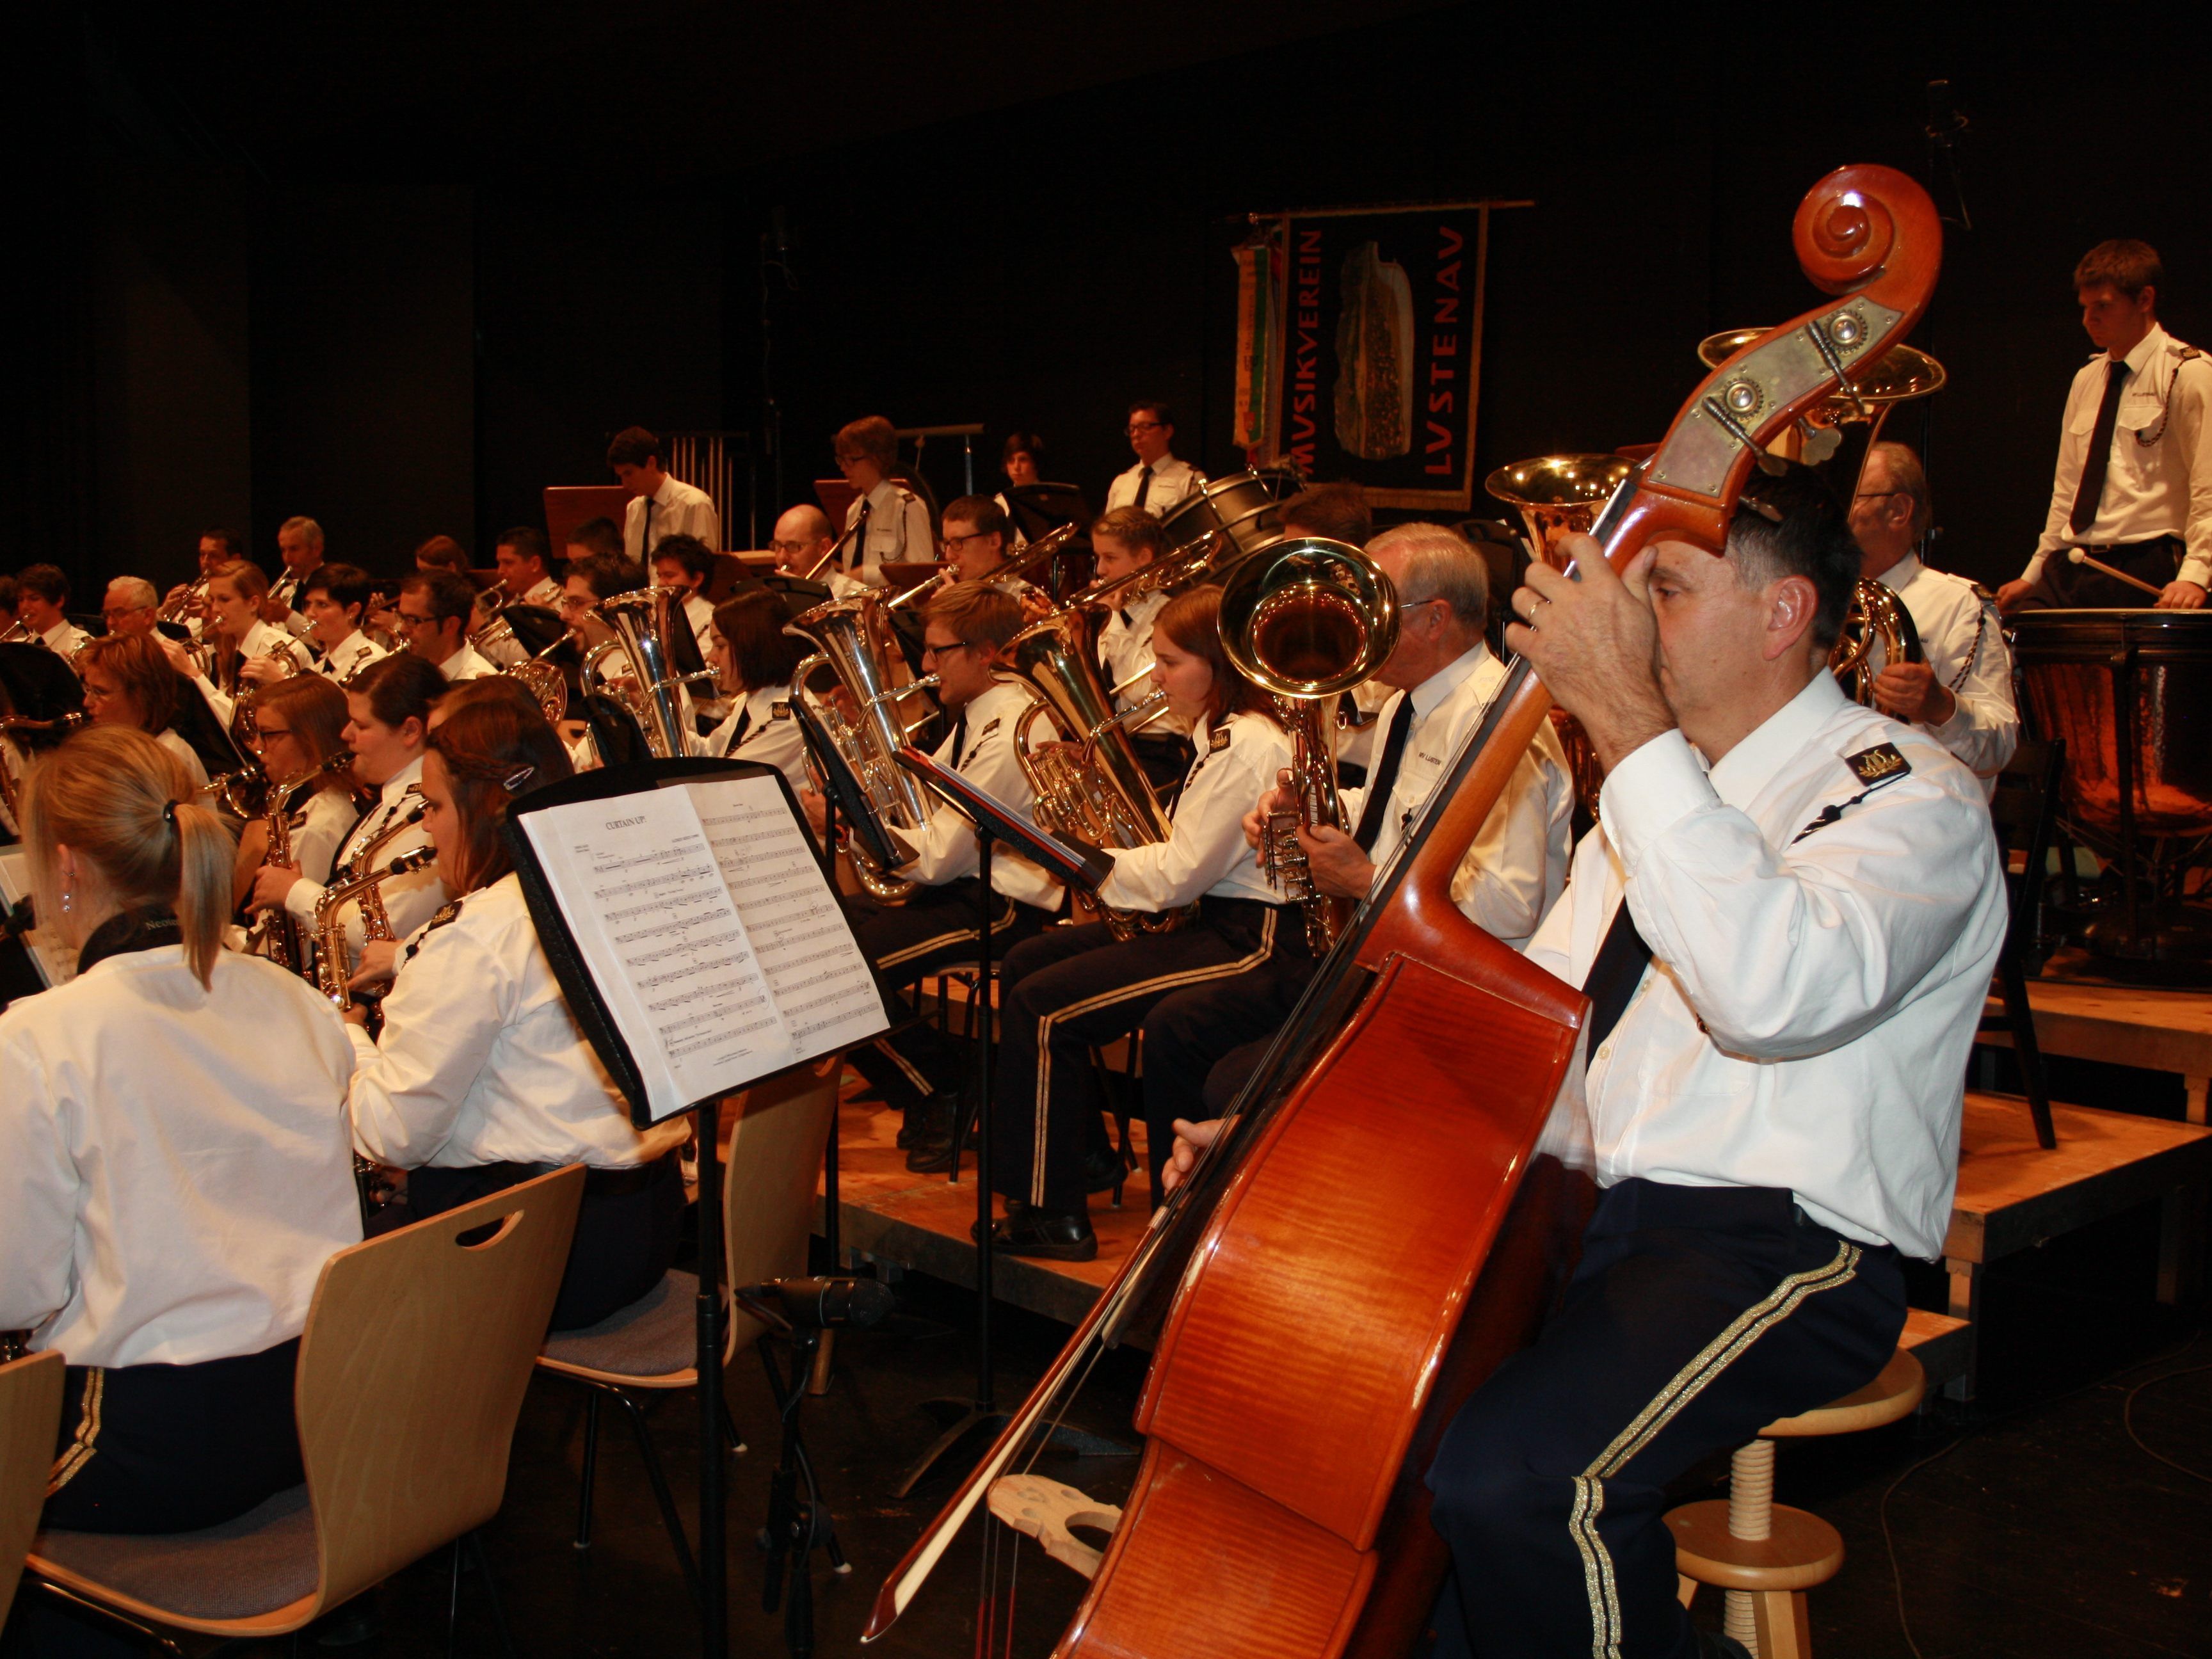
[(2127, 691), (1245, 505)]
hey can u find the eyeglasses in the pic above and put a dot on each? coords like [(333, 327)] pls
[(263, 733), (950, 543), (406, 621), (1135, 427), (1415, 604), (1878, 495), (788, 547), (928, 650), (569, 602)]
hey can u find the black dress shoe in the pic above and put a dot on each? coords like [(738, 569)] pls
[(930, 1148), (1043, 1233), (1104, 1168)]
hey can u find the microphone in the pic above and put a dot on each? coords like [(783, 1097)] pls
[(826, 1304)]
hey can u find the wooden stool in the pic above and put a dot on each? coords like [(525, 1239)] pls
[(1765, 1554)]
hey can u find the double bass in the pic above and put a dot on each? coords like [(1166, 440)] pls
[(1373, 1231)]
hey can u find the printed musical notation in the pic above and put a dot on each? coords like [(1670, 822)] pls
[(710, 931)]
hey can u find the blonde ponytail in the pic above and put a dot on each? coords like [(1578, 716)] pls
[(125, 806)]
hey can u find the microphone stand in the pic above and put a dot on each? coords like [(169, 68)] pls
[(796, 1526)]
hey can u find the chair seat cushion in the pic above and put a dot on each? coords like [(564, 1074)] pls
[(655, 1335), (262, 1561)]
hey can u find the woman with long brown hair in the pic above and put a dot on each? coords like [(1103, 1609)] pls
[(299, 725), (168, 1194), (1070, 988), (480, 1078)]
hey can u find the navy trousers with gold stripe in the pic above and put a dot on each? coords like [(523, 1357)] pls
[(934, 928), (1697, 1316), (1070, 987)]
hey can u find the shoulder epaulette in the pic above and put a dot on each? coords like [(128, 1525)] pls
[(449, 911), (1883, 764), (1217, 740)]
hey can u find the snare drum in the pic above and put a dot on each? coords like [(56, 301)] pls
[(1247, 505)]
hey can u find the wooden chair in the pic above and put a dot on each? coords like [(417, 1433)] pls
[(412, 1369), (1766, 1555), (30, 1417), (651, 1347), (2025, 811)]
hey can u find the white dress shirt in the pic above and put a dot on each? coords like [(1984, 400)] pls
[(194, 767), (1125, 645), (408, 900), (350, 655), (1963, 645), (320, 825), (1813, 997), (467, 664), (1173, 482), (1205, 852), (481, 1061), (772, 736), (946, 849), (545, 593), (678, 509), (173, 1162), (262, 640), (1514, 868), (898, 532), (2161, 489), (64, 638)]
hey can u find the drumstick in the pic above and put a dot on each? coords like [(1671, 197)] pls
[(2081, 555)]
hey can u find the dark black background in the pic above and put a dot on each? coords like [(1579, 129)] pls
[(401, 268)]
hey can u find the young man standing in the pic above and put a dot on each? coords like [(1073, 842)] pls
[(2134, 484), (659, 505), (1158, 482), (888, 523)]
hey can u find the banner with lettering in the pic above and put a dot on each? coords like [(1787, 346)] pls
[(1378, 332)]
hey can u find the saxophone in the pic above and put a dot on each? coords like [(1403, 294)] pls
[(274, 934), (331, 975)]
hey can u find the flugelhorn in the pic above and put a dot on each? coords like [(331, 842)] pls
[(1306, 619)]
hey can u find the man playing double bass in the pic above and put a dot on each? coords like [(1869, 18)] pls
[(1786, 921)]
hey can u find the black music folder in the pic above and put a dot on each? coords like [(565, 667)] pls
[(1071, 860), (690, 927)]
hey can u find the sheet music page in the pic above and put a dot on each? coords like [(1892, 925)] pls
[(647, 901), (823, 986), (55, 961)]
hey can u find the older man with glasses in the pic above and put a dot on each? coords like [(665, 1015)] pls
[(129, 606), (1158, 482)]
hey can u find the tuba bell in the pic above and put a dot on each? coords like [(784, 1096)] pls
[(643, 624), (1086, 776), (1306, 619), (872, 711)]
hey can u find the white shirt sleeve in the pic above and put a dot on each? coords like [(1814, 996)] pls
[(1207, 847), (946, 849), (1513, 867), (1789, 951), (408, 1087), (1983, 730), (38, 1194), (2190, 434)]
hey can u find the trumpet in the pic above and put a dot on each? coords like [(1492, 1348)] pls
[(19, 632), (1306, 619), (331, 975), (183, 604)]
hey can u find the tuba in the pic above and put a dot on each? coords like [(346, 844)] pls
[(644, 624), (1308, 618), (1087, 780), (1834, 437), (1562, 495), (881, 705)]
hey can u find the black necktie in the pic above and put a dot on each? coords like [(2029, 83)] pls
[(959, 738), (744, 719), (2100, 452), (1377, 807), (858, 552), (1613, 976), (1127, 621), (1143, 485), (645, 542)]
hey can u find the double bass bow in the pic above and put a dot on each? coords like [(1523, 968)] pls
[(1373, 1229)]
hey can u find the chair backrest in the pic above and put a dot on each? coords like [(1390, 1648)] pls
[(30, 1417), (2025, 810), (412, 1368), (768, 1193)]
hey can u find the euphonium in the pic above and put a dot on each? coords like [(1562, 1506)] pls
[(1308, 618), (643, 622), (1562, 495), (331, 969), (1875, 618), (1088, 784), (882, 706), (274, 933)]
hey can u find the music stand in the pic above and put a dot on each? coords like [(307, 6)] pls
[(594, 1018), (568, 505), (1038, 509), (1072, 862)]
